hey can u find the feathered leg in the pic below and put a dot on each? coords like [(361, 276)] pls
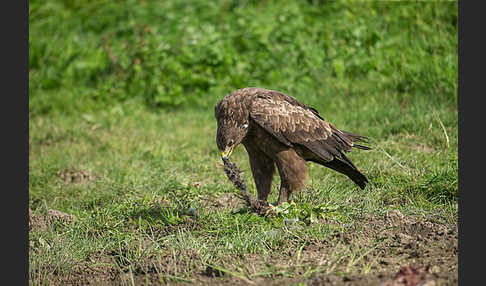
[(293, 172), (263, 170)]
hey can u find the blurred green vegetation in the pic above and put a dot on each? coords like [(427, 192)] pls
[(87, 55)]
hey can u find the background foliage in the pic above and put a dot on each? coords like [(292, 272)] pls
[(86, 54)]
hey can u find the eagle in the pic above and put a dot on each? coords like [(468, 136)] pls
[(279, 131)]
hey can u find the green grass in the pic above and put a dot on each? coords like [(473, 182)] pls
[(146, 127)]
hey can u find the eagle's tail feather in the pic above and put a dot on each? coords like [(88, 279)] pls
[(353, 173), (361, 147), (357, 138)]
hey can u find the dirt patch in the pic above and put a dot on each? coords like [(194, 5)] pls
[(57, 216), (427, 242), (230, 201), (97, 269), (74, 176), (36, 222), (224, 201), (40, 222), (405, 249)]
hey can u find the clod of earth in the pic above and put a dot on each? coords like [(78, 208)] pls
[(40, 222), (70, 176), (36, 222), (55, 215)]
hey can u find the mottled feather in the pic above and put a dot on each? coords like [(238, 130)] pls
[(294, 123)]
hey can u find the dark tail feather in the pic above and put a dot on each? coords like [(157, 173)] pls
[(357, 138), (361, 147), (344, 168)]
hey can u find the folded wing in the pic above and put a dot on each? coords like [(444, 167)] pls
[(294, 123)]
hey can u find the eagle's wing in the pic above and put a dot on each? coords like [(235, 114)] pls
[(294, 123)]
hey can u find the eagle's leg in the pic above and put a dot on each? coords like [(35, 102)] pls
[(293, 172), (263, 170)]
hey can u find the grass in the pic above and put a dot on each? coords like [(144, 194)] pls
[(145, 160), (149, 137)]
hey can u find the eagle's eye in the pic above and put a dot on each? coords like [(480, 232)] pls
[(245, 125), (231, 142)]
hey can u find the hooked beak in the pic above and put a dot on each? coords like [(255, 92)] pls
[(227, 152)]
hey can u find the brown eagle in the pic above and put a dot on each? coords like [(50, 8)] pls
[(276, 129)]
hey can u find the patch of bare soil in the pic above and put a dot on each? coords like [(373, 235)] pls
[(74, 176), (225, 200), (36, 222), (395, 250), (97, 269), (409, 250), (41, 222)]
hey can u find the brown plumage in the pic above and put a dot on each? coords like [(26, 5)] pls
[(277, 130)]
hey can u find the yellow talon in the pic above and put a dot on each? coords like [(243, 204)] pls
[(271, 208)]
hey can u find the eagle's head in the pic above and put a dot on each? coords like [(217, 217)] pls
[(229, 135), (232, 116)]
